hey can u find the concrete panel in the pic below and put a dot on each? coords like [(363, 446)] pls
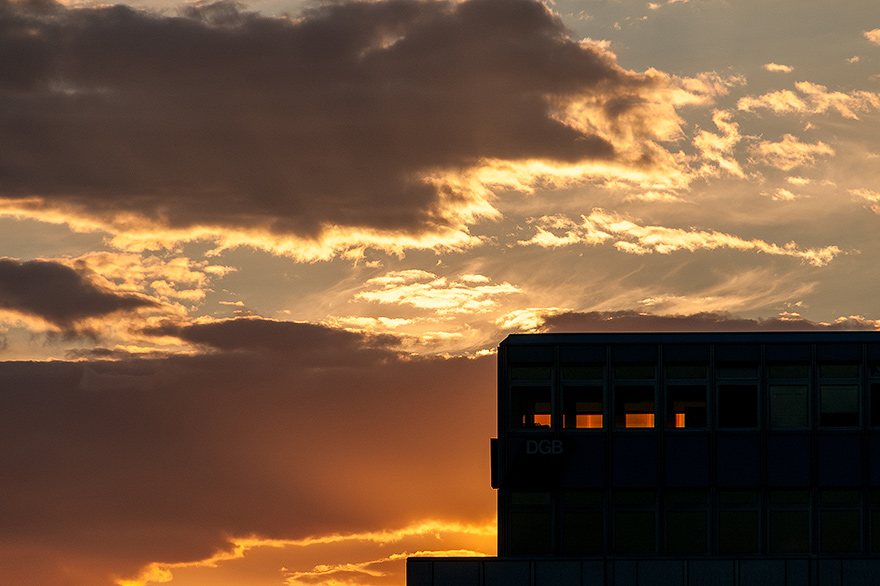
[(711, 573), (861, 573), (557, 573), (797, 573), (505, 573), (661, 573), (460, 573), (593, 573), (419, 572), (829, 573), (625, 574), (761, 572)]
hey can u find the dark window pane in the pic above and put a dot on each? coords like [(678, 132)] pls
[(738, 371), (582, 372), (531, 533), (738, 497), (686, 532), (582, 533), (634, 497), (685, 406), (738, 406), (531, 498), (840, 497), (581, 407), (584, 498), (529, 407), (788, 406), (634, 532), (875, 405), (839, 531), (738, 531), (789, 497), (875, 531), (839, 370), (839, 405), (634, 371), (789, 531), (789, 370), (530, 372), (686, 371), (686, 497), (634, 406)]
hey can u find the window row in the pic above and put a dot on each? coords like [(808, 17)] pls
[(687, 406), (737, 525)]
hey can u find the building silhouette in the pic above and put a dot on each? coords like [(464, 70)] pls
[(682, 459)]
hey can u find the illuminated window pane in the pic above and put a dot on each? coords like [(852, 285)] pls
[(738, 531), (839, 531), (530, 407), (582, 533), (789, 406), (582, 407), (686, 532), (839, 406), (789, 531), (685, 406), (531, 533), (634, 532), (634, 407), (738, 406)]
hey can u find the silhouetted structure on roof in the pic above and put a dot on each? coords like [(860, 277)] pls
[(726, 459)]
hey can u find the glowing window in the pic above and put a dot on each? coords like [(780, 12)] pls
[(634, 407), (582, 407), (530, 407), (685, 406)]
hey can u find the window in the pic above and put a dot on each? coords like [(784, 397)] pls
[(738, 520), (687, 522), (634, 406), (634, 371), (777, 371), (839, 406), (582, 372), (737, 406), (789, 521), (531, 523), (839, 370), (685, 406), (839, 528), (789, 406), (582, 407), (530, 407), (686, 371), (738, 371), (531, 372), (875, 404), (583, 523)]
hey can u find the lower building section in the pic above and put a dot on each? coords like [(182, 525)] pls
[(514, 571)]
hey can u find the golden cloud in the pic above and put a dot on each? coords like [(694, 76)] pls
[(426, 291), (873, 36), (813, 99), (789, 153), (629, 237)]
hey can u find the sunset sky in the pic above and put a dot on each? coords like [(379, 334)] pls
[(255, 257)]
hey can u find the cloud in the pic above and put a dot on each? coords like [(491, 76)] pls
[(110, 467), (601, 226), (871, 197), (358, 124), (789, 153), (718, 149), (873, 36), (635, 321), (776, 67), (61, 296), (813, 99), (427, 291)]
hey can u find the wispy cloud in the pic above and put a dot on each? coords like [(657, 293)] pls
[(871, 197), (789, 153), (778, 68), (627, 236), (813, 98)]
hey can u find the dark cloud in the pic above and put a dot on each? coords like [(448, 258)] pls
[(634, 321), (107, 466), (305, 341), (59, 294), (227, 118)]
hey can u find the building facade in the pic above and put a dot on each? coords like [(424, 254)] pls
[(683, 459)]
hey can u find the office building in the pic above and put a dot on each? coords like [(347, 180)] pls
[(682, 459)]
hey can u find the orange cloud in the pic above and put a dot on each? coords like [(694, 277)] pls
[(789, 153), (776, 67), (813, 99), (601, 226), (873, 36)]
